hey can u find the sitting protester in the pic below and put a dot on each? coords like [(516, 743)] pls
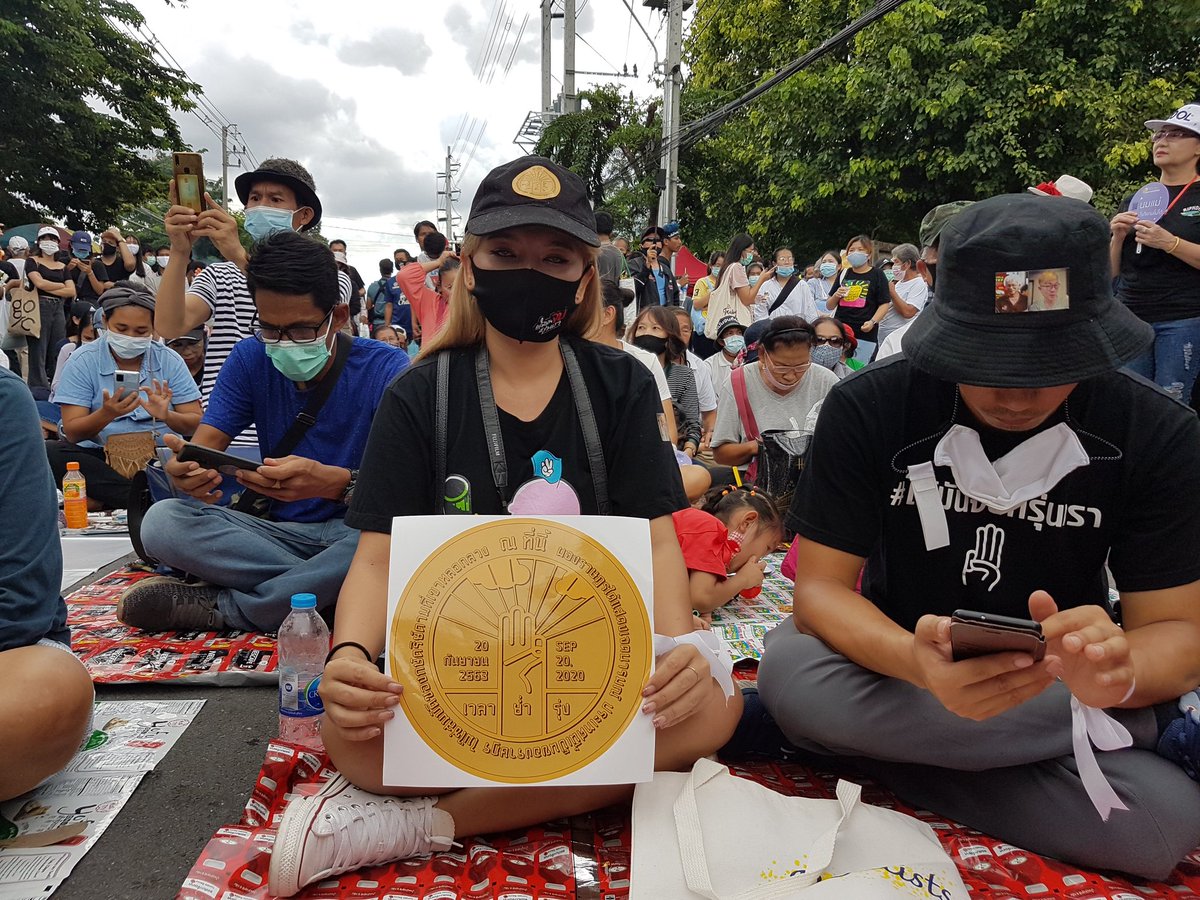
[(80, 330), (1007, 465), (251, 566), (656, 330), (47, 701), (833, 346), (161, 398)]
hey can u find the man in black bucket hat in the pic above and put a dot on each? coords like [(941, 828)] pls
[(1005, 464)]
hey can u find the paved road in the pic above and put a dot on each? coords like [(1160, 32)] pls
[(200, 785)]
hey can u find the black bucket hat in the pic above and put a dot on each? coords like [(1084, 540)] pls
[(533, 190), (283, 171), (990, 327)]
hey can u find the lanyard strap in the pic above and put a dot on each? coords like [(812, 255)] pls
[(1180, 194), (494, 438)]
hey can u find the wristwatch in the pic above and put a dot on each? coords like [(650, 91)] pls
[(349, 491)]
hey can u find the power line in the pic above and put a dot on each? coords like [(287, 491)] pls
[(597, 52)]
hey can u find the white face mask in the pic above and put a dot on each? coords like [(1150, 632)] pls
[(127, 347), (162, 261), (134, 248), (49, 248), (339, 256)]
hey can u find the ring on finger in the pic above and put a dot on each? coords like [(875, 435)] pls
[(694, 672)]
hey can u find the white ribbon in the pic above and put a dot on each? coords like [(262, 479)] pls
[(711, 647), (1030, 469), (929, 505), (1094, 726)]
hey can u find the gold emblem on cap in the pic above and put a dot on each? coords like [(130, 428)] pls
[(537, 183)]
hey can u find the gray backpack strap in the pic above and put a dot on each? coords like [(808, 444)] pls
[(442, 419), (587, 424)]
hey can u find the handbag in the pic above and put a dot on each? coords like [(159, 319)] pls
[(25, 314), (722, 303), (129, 452), (709, 834)]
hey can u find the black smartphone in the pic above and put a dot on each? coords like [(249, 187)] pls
[(978, 634), (225, 463)]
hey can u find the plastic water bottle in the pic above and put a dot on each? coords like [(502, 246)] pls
[(74, 490), (302, 646)]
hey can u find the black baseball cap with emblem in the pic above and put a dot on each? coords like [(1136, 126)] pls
[(533, 190)]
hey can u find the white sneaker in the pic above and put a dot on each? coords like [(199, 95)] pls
[(342, 828)]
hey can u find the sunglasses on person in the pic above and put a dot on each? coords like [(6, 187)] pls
[(297, 334), (1172, 134), (831, 341)]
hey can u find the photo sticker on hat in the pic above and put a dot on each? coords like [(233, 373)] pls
[(1037, 290)]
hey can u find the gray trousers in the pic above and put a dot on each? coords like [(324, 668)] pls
[(1012, 777)]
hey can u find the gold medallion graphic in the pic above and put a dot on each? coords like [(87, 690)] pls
[(537, 183), (523, 646)]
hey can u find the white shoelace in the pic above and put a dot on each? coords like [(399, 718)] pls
[(390, 829)]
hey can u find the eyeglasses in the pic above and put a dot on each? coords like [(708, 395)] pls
[(1173, 134), (784, 370), (832, 342), (298, 334), (183, 343)]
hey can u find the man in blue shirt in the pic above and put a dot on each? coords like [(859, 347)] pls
[(47, 699), (388, 304), (250, 567)]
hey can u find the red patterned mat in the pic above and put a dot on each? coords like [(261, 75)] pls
[(117, 654), (588, 858)]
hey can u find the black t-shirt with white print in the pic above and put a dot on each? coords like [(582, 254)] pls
[(548, 468), (1155, 284), (1136, 504)]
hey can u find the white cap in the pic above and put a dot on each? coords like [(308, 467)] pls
[(16, 242), (1185, 117), (1068, 186), (47, 231)]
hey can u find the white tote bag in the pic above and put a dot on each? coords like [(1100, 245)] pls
[(709, 834), (723, 302)]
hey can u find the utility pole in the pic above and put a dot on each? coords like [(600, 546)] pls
[(224, 168), (546, 18), (570, 103), (672, 83), (450, 193)]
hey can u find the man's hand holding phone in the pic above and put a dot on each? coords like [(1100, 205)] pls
[(179, 222), (1086, 649), (222, 229), (976, 688), (193, 479)]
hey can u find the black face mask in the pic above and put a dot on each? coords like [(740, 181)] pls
[(525, 304), (108, 250), (651, 343)]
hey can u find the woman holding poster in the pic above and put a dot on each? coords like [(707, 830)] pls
[(540, 421), (1155, 251)]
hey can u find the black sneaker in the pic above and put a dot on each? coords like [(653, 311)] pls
[(161, 603), (1180, 741), (757, 736)]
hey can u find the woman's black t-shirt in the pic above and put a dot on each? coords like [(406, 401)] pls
[(58, 276), (1156, 285), (868, 292), (548, 469)]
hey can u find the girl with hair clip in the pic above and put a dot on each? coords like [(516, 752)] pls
[(724, 542), (521, 379), (656, 330)]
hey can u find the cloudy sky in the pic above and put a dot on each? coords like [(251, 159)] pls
[(369, 104)]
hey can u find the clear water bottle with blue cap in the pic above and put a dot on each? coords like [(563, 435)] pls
[(302, 646)]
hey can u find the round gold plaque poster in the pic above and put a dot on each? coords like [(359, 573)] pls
[(523, 646)]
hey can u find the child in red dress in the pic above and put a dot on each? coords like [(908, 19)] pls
[(723, 543)]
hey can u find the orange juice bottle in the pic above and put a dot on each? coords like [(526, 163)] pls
[(74, 489)]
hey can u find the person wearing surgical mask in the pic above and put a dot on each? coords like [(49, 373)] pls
[(731, 342), (862, 298), (782, 386), (278, 196), (834, 346), (824, 280), (48, 275), (907, 290), (782, 292), (250, 566), (122, 382)]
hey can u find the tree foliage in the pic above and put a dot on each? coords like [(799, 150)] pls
[(86, 107), (940, 100), (613, 144)]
